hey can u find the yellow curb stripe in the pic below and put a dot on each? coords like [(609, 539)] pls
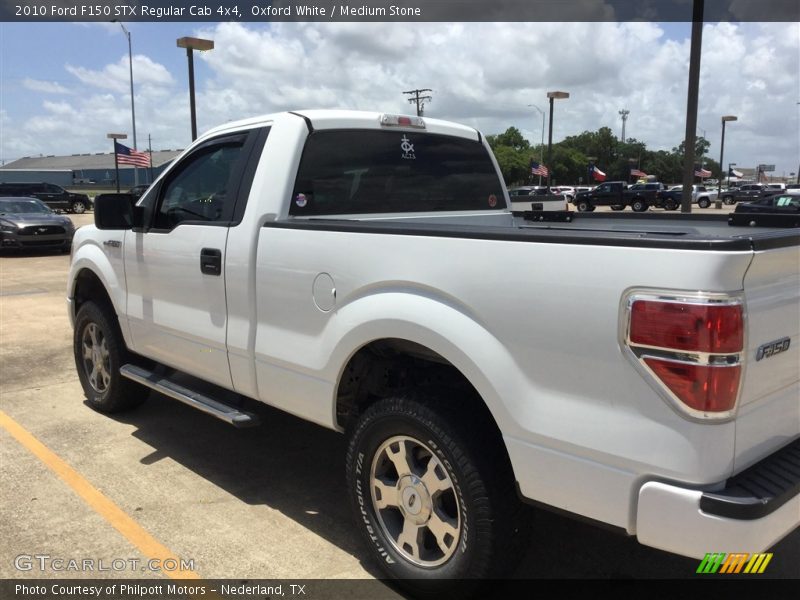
[(119, 519)]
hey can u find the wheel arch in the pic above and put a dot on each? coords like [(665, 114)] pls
[(93, 278)]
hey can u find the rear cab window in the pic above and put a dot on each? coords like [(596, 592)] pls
[(367, 172)]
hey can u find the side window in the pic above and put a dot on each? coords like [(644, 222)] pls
[(52, 189), (200, 188)]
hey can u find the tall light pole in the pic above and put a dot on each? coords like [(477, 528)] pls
[(541, 148), (552, 96), (191, 44), (133, 110), (624, 114), (725, 119)]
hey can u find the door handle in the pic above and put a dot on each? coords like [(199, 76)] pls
[(211, 261)]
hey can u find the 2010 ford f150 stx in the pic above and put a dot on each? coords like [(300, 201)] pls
[(364, 272)]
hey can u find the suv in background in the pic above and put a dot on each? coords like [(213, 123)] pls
[(54, 196)]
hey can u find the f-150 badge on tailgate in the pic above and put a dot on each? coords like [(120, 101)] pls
[(772, 348)]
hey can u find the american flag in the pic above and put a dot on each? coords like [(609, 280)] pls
[(537, 169), (638, 173), (701, 172), (129, 156)]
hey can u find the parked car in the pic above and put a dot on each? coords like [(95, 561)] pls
[(747, 192), (701, 195), (54, 196), (617, 195), (781, 203), (28, 223), (566, 191)]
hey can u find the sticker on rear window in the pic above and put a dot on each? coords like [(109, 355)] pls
[(300, 200), (492, 200), (408, 148)]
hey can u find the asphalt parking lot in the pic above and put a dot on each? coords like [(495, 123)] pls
[(260, 503)]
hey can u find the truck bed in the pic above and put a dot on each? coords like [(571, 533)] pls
[(678, 231)]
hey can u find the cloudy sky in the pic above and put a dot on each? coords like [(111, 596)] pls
[(64, 86)]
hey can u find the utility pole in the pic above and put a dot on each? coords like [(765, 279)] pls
[(691, 104), (419, 100), (624, 114)]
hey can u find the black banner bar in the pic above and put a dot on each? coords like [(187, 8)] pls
[(397, 10)]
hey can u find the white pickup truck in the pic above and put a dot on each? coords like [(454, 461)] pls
[(363, 271)]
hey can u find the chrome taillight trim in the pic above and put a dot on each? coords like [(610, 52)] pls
[(636, 353)]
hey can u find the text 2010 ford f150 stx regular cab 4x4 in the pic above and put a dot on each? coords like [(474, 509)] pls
[(364, 272)]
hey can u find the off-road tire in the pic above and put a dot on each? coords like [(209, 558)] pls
[(475, 490), (100, 351)]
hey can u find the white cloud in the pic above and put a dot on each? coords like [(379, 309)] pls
[(147, 74), (45, 87)]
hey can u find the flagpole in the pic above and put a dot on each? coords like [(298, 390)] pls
[(150, 151), (114, 137)]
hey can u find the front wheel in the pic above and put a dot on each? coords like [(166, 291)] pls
[(728, 200), (584, 206), (704, 203), (670, 205), (78, 207), (617, 207), (432, 501), (639, 205), (99, 353)]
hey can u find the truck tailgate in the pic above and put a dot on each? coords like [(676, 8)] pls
[(769, 410)]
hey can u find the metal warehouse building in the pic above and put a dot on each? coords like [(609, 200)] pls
[(81, 169)]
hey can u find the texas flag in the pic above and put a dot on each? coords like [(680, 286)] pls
[(598, 174)]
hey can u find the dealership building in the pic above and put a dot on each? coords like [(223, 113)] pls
[(83, 169)]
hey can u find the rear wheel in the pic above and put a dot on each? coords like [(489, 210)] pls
[(584, 206), (432, 500), (728, 200), (617, 207), (639, 205), (99, 353), (78, 207), (670, 205)]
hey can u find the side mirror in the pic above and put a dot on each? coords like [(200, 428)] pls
[(113, 211)]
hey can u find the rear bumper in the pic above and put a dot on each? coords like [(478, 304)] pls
[(752, 512)]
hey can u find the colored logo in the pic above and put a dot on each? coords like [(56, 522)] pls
[(736, 562)]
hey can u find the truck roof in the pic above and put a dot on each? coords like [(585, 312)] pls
[(318, 119)]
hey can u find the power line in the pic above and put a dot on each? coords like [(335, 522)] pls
[(419, 100)]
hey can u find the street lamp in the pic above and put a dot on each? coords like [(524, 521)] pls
[(553, 96), (541, 148), (191, 44), (115, 137), (725, 119), (133, 111)]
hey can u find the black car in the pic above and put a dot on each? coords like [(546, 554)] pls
[(27, 223), (54, 196), (779, 204)]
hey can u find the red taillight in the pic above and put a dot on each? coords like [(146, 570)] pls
[(693, 349), (404, 121), (708, 328), (701, 387)]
